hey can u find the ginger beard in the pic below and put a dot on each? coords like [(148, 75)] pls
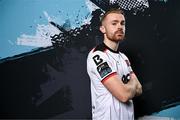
[(116, 36)]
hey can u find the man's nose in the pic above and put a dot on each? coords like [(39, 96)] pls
[(120, 26)]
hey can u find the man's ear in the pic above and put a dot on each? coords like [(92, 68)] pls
[(102, 29)]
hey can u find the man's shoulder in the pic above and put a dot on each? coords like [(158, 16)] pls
[(100, 47), (98, 53), (98, 50), (123, 55)]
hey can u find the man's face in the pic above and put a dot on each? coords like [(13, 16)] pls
[(113, 27)]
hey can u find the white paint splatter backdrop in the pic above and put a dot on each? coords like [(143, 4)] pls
[(24, 24)]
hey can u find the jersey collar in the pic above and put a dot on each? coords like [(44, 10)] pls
[(110, 48)]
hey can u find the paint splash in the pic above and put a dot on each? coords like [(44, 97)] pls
[(42, 38)]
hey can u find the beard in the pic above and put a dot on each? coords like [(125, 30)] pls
[(116, 36)]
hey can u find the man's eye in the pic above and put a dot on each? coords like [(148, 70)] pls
[(113, 23), (123, 23)]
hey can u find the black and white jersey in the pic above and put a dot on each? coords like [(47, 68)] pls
[(103, 63)]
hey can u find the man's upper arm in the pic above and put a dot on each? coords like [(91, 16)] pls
[(101, 66), (139, 86)]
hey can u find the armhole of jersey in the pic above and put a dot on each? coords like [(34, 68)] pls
[(107, 77)]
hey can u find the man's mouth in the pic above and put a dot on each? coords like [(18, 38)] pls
[(119, 33)]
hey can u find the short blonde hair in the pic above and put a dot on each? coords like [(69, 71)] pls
[(112, 10)]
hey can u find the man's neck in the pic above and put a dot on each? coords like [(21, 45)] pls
[(111, 44)]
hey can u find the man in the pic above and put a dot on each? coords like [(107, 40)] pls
[(113, 82)]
